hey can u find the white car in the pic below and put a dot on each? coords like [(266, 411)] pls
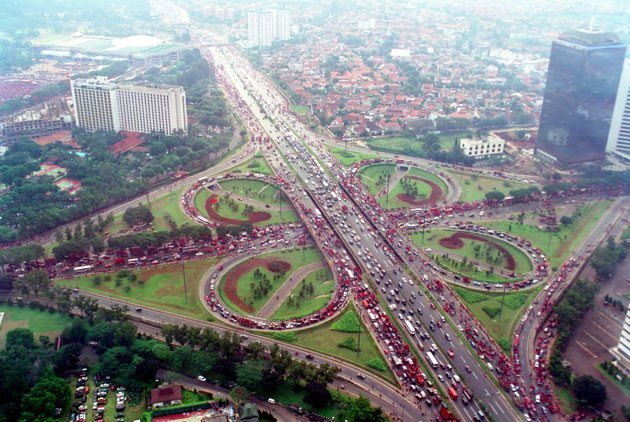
[(201, 378)]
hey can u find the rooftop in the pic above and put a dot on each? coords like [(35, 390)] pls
[(590, 38), (166, 393)]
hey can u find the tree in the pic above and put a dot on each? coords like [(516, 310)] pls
[(138, 215), (49, 393), (362, 411), (37, 281), (67, 357), (76, 332), (317, 395), (238, 394), (495, 195), (20, 337), (250, 374), (589, 391), (565, 220)]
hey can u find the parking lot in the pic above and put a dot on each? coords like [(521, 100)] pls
[(600, 331)]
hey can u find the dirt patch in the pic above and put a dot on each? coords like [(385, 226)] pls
[(253, 217), (436, 193), (279, 266), (455, 242), (231, 280)]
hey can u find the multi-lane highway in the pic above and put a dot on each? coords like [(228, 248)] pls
[(359, 233)]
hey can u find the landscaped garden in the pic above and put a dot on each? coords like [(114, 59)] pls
[(498, 312), (474, 186), (226, 210), (556, 245), (312, 294), (415, 189), (411, 146), (472, 255), (347, 158), (156, 287), (257, 190), (375, 176), (41, 322), (339, 338), (258, 164), (246, 287)]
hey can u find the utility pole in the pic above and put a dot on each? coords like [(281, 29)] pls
[(387, 192), (359, 341), (502, 300), (184, 275)]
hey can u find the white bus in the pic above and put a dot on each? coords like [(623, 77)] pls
[(82, 269), (410, 327), (203, 179), (432, 360)]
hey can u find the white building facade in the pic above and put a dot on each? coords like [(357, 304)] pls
[(103, 105), (621, 352), (265, 26), (619, 134), (481, 148)]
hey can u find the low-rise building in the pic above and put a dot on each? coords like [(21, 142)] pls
[(167, 395), (621, 351), (483, 147)]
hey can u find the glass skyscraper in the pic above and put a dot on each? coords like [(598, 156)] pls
[(582, 80)]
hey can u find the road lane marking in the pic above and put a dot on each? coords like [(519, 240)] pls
[(595, 340), (495, 410), (614, 321), (476, 377), (616, 338), (500, 408), (583, 346)]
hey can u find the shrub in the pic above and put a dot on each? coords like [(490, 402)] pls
[(378, 364), (348, 322), (287, 336), (349, 343), (491, 312), (504, 344), (470, 296)]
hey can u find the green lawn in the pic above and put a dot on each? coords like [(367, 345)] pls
[(157, 287), (296, 257), (201, 197), (424, 190), (254, 189), (432, 238), (299, 109), (258, 164), (566, 398), (624, 388), (323, 288), (41, 323), (474, 187), (626, 233), (502, 325), (557, 245), (324, 340), (167, 203), (401, 145), (347, 158), (375, 176), (288, 214)]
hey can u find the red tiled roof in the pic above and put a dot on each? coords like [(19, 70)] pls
[(166, 394), (131, 141), (59, 136)]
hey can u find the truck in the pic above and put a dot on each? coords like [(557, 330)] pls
[(432, 360), (453, 393), (409, 326)]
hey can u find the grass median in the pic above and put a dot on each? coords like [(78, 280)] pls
[(160, 287)]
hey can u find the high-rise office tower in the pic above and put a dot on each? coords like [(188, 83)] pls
[(283, 24), (619, 135), (582, 80), (100, 104)]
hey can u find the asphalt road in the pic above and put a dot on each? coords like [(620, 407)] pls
[(360, 234)]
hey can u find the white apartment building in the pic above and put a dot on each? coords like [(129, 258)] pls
[(621, 352), (100, 104), (480, 148), (95, 104), (265, 26), (619, 134)]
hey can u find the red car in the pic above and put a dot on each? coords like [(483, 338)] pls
[(451, 353)]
